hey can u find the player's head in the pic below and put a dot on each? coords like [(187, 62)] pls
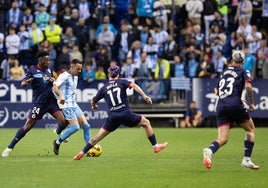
[(43, 59), (76, 67), (238, 57), (113, 71)]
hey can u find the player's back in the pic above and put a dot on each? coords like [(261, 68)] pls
[(115, 95), (231, 85)]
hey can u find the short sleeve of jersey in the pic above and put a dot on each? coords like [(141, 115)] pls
[(29, 74), (247, 76), (62, 77)]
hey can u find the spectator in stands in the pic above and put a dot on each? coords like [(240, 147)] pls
[(24, 49), (135, 53), (85, 9), (220, 63), (12, 42), (53, 32), (142, 35), (121, 11), (170, 48), (63, 59), (216, 32), (244, 9), (162, 69), (123, 41), (14, 16), (160, 14), (68, 38), (193, 116), (198, 36), (253, 40), (206, 68), (16, 71), (64, 16), (217, 21), (106, 38), (6, 64), (128, 69), (42, 17), (100, 58), (186, 32), (144, 71), (244, 27), (36, 37), (160, 36), (223, 10), (210, 6), (261, 60), (4, 7), (100, 73), (54, 8), (144, 9), (192, 59), (81, 31), (73, 19), (178, 67), (28, 18), (151, 50), (88, 73), (2, 52), (103, 9), (75, 53), (249, 62), (106, 20), (194, 9)]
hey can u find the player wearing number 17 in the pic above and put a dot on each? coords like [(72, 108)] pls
[(231, 109), (114, 93)]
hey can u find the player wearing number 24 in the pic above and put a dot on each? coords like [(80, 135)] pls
[(231, 109), (114, 93)]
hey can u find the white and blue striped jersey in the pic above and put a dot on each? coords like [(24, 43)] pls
[(67, 84)]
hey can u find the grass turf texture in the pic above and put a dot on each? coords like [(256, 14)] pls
[(128, 161)]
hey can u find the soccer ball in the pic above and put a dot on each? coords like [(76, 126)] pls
[(95, 151)]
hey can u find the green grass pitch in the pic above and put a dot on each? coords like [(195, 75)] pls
[(128, 161)]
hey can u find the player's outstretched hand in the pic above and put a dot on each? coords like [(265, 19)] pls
[(79, 155), (148, 99)]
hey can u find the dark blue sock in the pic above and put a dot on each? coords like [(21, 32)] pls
[(214, 146), (152, 139), (87, 147), (248, 148), (19, 135)]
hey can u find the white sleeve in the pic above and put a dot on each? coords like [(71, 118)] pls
[(62, 77)]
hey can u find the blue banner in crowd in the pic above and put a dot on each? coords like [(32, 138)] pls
[(203, 94)]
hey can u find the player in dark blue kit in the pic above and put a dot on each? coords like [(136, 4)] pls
[(41, 80), (115, 96), (231, 109)]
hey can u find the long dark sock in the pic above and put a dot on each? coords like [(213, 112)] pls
[(19, 135), (87, 147), (60, 128), (152, 139), (248, 148), (214, 146)]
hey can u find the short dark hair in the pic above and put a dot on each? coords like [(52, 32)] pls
[(42, 54), (76, 61), (113, 71)]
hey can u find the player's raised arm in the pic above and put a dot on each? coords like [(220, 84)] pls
[(139, 90)]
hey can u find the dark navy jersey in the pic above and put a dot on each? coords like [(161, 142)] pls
[(42, 88), (114, 93), (231, 85)]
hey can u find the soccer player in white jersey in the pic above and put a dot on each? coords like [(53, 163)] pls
[(64, 89)]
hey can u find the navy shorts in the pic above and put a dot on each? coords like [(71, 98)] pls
[(126, 118), (231, 114), (39, 109)]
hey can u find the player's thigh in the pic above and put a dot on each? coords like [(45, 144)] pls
[(37, 111), (70, 115)]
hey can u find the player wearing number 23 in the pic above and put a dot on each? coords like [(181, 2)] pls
[(114, 93), (231, 109)]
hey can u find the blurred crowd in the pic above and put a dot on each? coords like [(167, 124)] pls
[(146, 38)]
